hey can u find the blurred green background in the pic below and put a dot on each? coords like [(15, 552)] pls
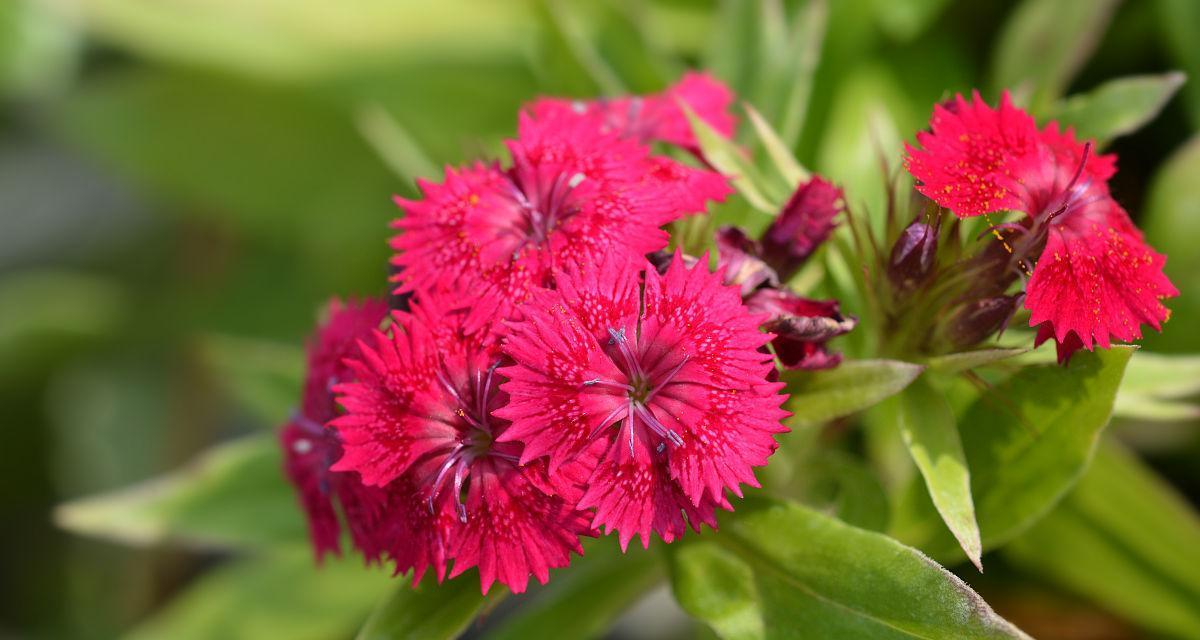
[(183, 183)]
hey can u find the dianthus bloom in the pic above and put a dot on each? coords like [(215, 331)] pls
[(419, 423), (1094, 278), (575, 191), (310, 448), (663, 375), (658, 117)]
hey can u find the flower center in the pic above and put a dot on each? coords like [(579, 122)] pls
[(542, 203), (639, 392), (475, 438)]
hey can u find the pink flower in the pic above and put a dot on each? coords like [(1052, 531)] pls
[(1094, 278), (665, 382), (419, 423), (310, 448), (658, 117), (574, 193)]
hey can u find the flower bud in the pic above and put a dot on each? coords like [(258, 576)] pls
[(805, 222), (801, 327), (737, 254), (974, 321), (913, 256)]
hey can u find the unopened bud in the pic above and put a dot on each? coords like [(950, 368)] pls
[(737, 254), (804, 223), (913, 256), (974, 321)]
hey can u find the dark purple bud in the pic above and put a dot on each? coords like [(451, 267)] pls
[(974, 321), (801, 327), (737, 254), (805, 222), (913, 256), (662, 258)]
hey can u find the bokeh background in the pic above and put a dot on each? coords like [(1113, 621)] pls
[(183, 183)]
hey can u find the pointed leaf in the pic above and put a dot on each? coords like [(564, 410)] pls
[(1117, 107), (730, 159), (584, 601), (809, 28), (1026, 441), (927, 425), (967, 360), (233, 495), (1039, 49), (785, 163), (713, 584), (817, 577), (854, 385), (278, 595), (429, 611)]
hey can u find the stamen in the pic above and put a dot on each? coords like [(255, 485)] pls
[(576, 180), (631, 361), (460, 475), (451, 460), (629, 421), (656, 426), (464, 409), (666, 379), (1069, 192), (607, 383), (612, 418)]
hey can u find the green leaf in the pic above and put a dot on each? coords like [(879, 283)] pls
[(1179, 22), (1162, 375), (279, 595), (785, 163), (1026, 441), (712, 584), (840, 484), (809, 28), (1157, 386), (817, 577), (724, 155), (927, 426), (1125, 539), (234, 495), (1171, 221), (820, 396), (584, 601), (568, 42), (429, 611), (1117, 107), (393, 143), (264, 377), (1044, 43), (967, 360), (39, 49), (278, 39)]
